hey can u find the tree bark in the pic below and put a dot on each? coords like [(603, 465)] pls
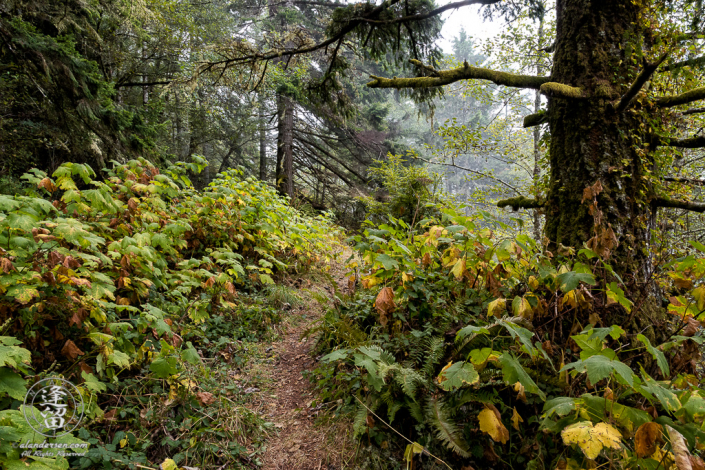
[(262, 141), (591, 143), (285, 138), (537, 135)]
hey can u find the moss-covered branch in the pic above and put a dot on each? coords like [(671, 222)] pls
[(685, 63), (465, 72), (683, 98), (641, 79), (693, 111), (680, 179), (559, 90), (520, 202), (689, 143), (537, 119), (678, 204)]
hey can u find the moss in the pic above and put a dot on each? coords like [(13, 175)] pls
[(464, 72), (535, 119), (683, 98), (520, 202), (559, 90)]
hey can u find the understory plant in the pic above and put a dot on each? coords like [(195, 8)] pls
[(482, 349), (142, 291)]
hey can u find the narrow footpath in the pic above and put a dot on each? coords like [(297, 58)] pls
[(289, 400)]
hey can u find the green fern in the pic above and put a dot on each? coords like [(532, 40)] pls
[(446, 430)]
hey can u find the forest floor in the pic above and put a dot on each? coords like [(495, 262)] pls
[(287, 398)]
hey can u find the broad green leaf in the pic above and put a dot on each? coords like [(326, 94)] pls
[(457, 375), (190, 354), (652, 389), (163, 367), (657, 355), (570, 280), (12, 384), (22, 293), (513, 372), (92, 383), (600, 367), (336, 355), (387, 262)]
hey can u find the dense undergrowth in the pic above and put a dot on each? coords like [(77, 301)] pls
[(463, 345), (145, 293)]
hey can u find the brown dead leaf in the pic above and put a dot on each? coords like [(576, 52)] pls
[(351, 283), (70, 350), (591, 192), (426, 260), (697, 463), (609, 395), (6, 265), (370, 421), (692, 326), (647, 439), (110, 415), (680, 449), (85, 367), (205, 398), (48, 184), (385, 304)]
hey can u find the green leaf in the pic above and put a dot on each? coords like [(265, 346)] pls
[(650, 388), (513, 372), (22, 293), (615, 294), (336, 355), (92, 383), (387, 262), (163, 367), (12, 384), (657, 355), (119, 358), (600, 367), (190, 354), (560, 406), (457, 376), (570, 280)]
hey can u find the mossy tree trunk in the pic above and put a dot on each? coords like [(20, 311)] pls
[(591, 142)]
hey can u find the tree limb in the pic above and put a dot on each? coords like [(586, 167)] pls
[(536, 119), (520, 202), (678, 204), (559, 90), (689, 143), (479, 173), (641, 79), (465, 72), (435, 12), (683, 98), (693, 111), (136, 84), (684, 63), (679, 179)]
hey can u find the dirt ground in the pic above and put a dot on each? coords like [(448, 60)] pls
[(300, 442)]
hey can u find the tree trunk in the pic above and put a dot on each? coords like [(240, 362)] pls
[(537, 133), (285, 138), (262, 141), (590, 143)]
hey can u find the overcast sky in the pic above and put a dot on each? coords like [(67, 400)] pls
[(471, 19)]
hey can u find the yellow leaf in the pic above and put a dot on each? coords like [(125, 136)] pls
[(592, 439), (496, 307), (533, 283), (458, 268), (570, 299), (492, 425), (406, 277), (168, 464), (516, 419), (123, 443), (699, 294), (521, 392)]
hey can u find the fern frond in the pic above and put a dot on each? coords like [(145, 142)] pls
[(360, 421), (408, 380), (434, 354), (446, 430)]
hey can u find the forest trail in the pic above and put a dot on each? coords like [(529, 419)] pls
[(288, 400)]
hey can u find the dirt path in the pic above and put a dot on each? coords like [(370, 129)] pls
[(300, 443)]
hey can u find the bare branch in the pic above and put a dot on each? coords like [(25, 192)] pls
[(683, 98), (479, 173), (465, 72), (678, 204), (136, 84), (641, 79)]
